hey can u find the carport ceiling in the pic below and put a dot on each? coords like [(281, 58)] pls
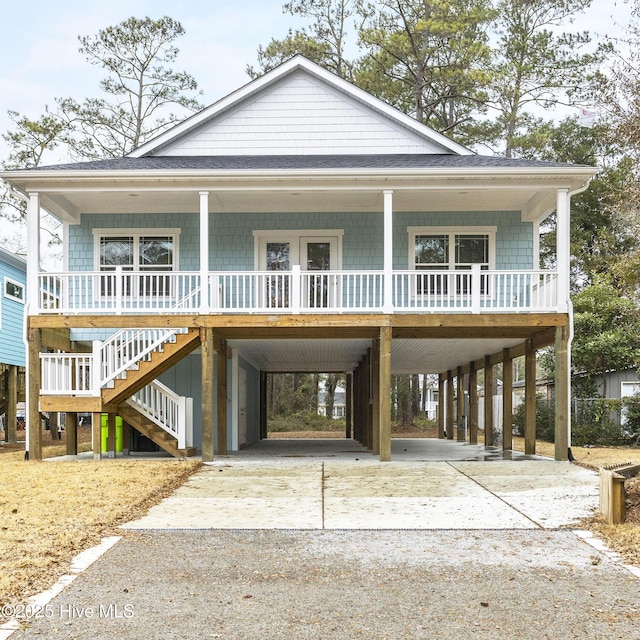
[(327, 355)]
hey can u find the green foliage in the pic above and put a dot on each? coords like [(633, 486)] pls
[(607, 331), (595, 422), (429, 59), (545, 419), (304, 421)]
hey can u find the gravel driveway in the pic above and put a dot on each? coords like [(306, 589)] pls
[(533, 584)]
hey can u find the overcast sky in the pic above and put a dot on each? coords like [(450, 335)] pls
[(39, 58)]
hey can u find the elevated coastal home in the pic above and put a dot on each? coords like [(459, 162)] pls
[(299, 224), (13, 275)]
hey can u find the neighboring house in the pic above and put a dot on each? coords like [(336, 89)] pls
[(299, 224), (339, 404), (13, 275)]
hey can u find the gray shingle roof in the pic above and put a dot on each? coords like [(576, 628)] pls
[(293, 162)]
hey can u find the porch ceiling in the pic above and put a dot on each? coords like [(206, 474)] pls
[(407, 355)]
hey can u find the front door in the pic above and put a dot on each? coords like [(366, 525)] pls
[(318, 254)]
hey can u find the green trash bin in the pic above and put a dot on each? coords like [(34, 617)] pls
[(105, 433)]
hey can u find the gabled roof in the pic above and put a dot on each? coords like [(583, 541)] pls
[(299, 108), (12, 259)]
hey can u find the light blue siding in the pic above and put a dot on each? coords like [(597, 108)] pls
[(12, 348), (231, 242)]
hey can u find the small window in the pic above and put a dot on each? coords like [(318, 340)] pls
[(14, 290)]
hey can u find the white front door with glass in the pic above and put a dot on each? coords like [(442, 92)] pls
[(284, 253)]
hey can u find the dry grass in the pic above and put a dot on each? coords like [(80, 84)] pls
[(49, 512)]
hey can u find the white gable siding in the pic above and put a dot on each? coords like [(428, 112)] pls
[(301, 115)]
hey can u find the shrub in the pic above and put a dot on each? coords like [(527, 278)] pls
[(304, 421), (545, 419)]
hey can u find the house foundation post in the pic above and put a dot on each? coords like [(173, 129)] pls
[(71, 433), (530, 399), (222, 398), (449, 417), (384, 397), (33, 395), (207, 380), (111, 435), (563, 416), (357, 375), (96, 435), (489, 379), (460, 417), (11, 418), (473, 404), (348, 405), (126, 438), (507, 401), (263, 404), (366, 401), (442, 381), (375, 396)]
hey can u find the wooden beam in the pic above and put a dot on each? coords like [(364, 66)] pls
[(507, 401), (222, 399), (33, 395), (489, 380), (530, 401), (473, 405), (441, 404), (563, 371), (11, 418), (207, 389), (96, 435), (77, 404), (71, 433), (385, 394)]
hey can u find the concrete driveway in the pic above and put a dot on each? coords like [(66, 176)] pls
[(336, 484)]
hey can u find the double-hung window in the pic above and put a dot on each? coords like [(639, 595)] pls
[(440, 252), (151, 254)]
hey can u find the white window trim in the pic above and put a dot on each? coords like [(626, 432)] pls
[(452, 232), (293, 236), (18, 284), (136, 233)]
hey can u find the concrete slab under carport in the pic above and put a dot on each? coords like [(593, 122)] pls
[(335, 485)]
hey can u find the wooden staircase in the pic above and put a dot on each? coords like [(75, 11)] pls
[(148, 370), (152, 431)]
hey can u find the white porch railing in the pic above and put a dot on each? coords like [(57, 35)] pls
[(296, 291), (168, 410), (120, 291), (67, 374), (475, 291)]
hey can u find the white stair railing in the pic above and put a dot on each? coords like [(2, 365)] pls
[(167, 409)]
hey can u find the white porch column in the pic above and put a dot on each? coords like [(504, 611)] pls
[(563, 249), (388, 252), (33, 255), (204, 252)]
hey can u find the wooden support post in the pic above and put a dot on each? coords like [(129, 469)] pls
[(111, 435), (530, 400), (11, 418), (473, 404), (488, 402), (206, 381), (33, 395), (71, 433), (441, 404), (563, 372), (375, 405), (126, 438), (385, 394), (96, 435), (263, 404), (348, 405), (364, 393), (460, 435), (222, 399), (450, 421), (507, 401), (356, 404)]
